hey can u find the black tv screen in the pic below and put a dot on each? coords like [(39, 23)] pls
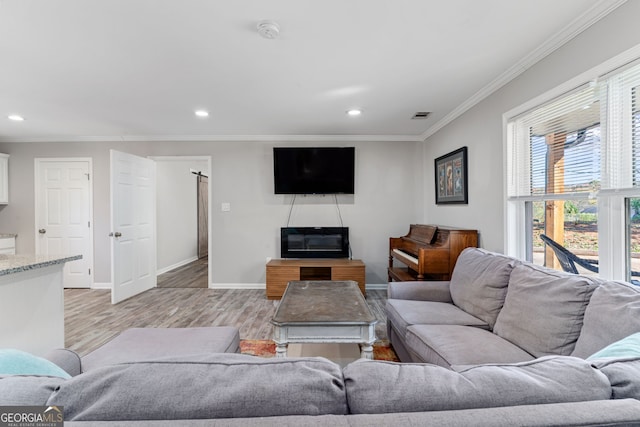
[(314, 170)]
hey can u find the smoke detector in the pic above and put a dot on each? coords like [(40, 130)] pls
[(268, 29)]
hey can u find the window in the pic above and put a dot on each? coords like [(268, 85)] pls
[(633, 239), (557, 150), (573, 163), (633, 204), (577, 232)]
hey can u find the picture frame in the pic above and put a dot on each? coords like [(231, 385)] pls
[(451, 178)]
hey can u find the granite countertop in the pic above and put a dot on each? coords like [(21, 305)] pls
[(10, 264)]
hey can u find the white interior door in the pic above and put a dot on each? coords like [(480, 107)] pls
[(133, 225), (63, 215)]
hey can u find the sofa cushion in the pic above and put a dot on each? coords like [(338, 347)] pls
[(426, 387), (479, 282), (27, 390), (610, 316), (544, 309), (623, 413), (447, 345), (222, 385), (404, 313), (280, 421), (420, 290), (151, 343), (623, 374)]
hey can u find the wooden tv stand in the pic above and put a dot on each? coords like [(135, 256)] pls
[(282, 271)]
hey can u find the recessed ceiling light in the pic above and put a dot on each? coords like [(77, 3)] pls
[(354, 112), (16, 118), (202, 113)]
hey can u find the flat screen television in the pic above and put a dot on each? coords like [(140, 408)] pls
[(314, 170)]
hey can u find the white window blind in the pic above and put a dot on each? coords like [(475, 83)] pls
[(555, 148), (621, 127), (579, 143), (635, 134)]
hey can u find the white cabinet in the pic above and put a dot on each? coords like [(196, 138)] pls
[(7, 245), (4, 179), (32, 308)]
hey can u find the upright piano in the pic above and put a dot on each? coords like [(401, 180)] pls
[(428, 252)]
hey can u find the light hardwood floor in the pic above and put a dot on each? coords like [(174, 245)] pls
[(192, 275), (91, 320)]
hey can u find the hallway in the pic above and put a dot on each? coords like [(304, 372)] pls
[(192, 275)]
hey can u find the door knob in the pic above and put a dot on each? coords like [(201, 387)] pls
[(42, 231), (116, 234)]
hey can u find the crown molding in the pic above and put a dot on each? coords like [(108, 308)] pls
[(221, 138), (578, 25)]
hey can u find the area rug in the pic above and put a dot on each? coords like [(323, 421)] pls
[(382, 350)]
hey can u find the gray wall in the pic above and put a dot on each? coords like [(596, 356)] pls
[(388, 197), (177, 210), (391, 189), (481, 130)]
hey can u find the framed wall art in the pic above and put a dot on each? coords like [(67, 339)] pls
[(451, 177)]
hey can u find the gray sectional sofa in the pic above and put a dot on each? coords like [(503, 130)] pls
[(225, 389), (503, 343), (497, 309)]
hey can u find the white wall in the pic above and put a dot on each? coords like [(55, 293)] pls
[(177, 210), (481, 127), (388, 197)]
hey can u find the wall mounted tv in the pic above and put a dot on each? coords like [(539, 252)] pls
[(314, 170)]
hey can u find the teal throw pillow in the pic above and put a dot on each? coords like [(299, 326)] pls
[(626, 347), (16, 362)]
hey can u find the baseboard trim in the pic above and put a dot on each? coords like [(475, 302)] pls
[(103, 285), (237, 286), (176, 265), (369, 286)]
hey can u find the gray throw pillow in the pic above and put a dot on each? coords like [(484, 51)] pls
[(479, 282), (611, 315), (544, 309), (424, 387), (207, 386)]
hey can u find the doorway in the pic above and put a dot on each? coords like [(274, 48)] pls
[(203, 215), (182, 221)]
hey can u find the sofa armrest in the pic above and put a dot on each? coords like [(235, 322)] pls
[(422, 291), (68, 360)]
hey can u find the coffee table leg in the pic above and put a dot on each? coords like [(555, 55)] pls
[(281, 350), (366, 351)]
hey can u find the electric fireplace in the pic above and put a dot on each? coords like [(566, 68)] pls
[(314, 242)]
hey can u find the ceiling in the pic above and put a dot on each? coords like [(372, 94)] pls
[(104, 70)]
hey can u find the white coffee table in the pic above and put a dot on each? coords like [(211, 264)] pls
[(324, 312)]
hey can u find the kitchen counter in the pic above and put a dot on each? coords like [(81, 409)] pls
[(32, 302), (10, 264)]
